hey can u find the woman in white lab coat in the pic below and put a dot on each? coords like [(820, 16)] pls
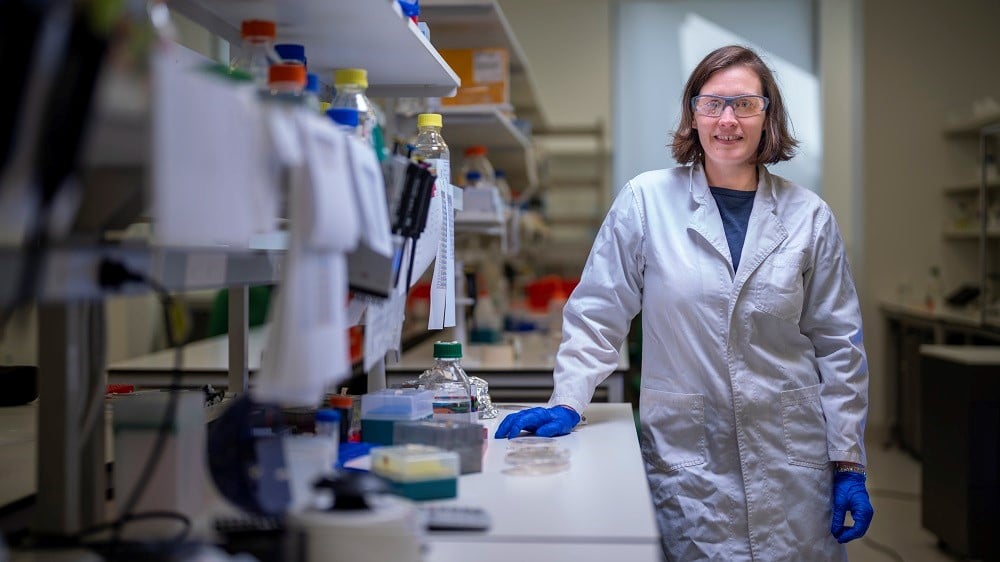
[(754, 380)]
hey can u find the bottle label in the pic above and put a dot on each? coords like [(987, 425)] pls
[(442, 313)]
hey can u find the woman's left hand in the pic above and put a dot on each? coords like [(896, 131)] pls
[(849, 494)]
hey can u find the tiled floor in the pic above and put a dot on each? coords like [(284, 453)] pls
[(895, 534)]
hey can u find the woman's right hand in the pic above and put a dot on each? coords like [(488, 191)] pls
[(546, 422)]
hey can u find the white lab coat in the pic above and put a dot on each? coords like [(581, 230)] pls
[(752, 381)]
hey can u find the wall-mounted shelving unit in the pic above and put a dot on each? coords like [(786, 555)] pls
[(509, 149), (369, 34), (471, 24)]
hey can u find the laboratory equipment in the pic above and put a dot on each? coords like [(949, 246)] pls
[(453, 396), (247, 463), (346, 119), (328, 425), (380, 410), (544, 422), (257, 52), (350, 425), (503, 187), (849, 494), (291, 53), (531, 459), (286, 80), (311, 92), (455, 518), (349, 87), (464, 438), (430, 148), (487, 325), (137, 423), (365, 523), (484, 403), (418, 472), (475, 161)]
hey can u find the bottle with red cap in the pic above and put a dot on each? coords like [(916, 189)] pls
[(475, 160), (257, 52)]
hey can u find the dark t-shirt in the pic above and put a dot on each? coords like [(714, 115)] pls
[(735, 207)]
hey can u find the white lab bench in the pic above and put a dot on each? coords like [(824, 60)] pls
[(598, 509)]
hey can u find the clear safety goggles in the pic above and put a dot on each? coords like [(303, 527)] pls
[(743, 106)]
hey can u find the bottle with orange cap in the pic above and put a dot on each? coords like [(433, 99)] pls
[(257, 52), (286, 80)]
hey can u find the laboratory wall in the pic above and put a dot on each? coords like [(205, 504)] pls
[(567, 43), (925, 63), (658, 44)]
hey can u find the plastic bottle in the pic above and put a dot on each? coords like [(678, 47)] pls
[(291, 53), (350, 85), (430, 145), (454, 397), (503, 187), (311, 92), (346, 119), (475, 159), (934, 295), (486, 320), (257, 52), (328, 426), (472, 178), (287, 80)]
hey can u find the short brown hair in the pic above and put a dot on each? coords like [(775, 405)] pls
[(776, 144)]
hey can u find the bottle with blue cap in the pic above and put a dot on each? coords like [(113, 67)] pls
[(346, 119), (311, 92), (292, 53)]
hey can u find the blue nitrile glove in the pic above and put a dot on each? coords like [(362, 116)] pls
[(849, 494), (547, 422)]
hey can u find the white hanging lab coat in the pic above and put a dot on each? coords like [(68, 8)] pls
[(753, 381)]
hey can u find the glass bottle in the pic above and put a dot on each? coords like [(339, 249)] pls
[(475, 160), (430, 145), (454, 397), (504, 187), (345, 118), (257, 51), (286, 80), (291, 53), (311, 92), (350, 85)]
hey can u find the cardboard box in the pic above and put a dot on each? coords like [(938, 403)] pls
[(485, 75)]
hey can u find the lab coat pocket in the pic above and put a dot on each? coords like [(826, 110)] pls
[(804, 427), (673, 428), (778, 288)]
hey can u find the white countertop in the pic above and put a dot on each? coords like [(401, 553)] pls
[(602, 498), (965, 354), (957, 315)]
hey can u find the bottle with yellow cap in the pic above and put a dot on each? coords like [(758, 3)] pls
[(349, 86)]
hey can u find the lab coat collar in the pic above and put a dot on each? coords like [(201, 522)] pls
[(764, 233)]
